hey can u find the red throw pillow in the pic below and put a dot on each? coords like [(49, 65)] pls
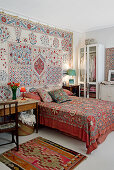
[(33, 90), (69, 93), (32, 96)]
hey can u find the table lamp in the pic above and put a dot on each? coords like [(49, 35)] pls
[(72, 73), (23, 90)]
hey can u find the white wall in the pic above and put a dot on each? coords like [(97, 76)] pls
[(78, 40), (103, 36)]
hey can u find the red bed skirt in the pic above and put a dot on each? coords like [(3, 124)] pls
[(77, 132)]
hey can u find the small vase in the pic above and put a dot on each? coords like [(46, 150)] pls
[(14, 94)]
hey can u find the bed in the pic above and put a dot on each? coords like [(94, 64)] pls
[(90, 120)]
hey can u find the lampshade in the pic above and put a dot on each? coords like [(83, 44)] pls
[(71, 72), (22, 89)]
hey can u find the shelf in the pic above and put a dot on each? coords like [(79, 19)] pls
[(92, 52), (92, 83), (92, 91)]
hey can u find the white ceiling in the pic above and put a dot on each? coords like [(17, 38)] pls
[(73, 15)]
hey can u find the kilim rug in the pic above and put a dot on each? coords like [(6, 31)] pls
[(41, 154)]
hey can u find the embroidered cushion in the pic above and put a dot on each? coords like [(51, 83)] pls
[(59, 96), (32, 96), (33, 90), (44, 95), (68, 92)]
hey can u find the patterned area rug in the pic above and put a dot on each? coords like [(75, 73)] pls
[(41, 154)]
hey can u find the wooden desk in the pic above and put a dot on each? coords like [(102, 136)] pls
[(73, 88), (24, 105)]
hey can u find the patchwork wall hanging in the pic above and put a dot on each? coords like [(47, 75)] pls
[(31, 53), (109, 61)]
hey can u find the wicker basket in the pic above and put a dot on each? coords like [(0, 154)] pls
[(25, 129)]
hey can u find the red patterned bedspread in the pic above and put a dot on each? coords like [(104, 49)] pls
[(91, 120)]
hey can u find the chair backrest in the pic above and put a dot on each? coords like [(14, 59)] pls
[(8, 114)]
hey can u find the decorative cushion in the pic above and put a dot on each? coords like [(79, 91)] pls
[(44, 95), (59, 96), (32, 96), (33, 90), (68, 92)]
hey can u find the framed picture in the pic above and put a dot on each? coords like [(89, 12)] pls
[(111, 75), (71, 81)]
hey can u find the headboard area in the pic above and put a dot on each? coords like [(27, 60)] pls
[(109, 61), (31, 53)]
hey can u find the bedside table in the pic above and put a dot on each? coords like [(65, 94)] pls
[(73, 88)]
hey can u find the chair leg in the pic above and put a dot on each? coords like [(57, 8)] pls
[(13, 137), (17, 140), (17, 143)]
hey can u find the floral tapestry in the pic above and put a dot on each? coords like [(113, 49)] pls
[(31, 53)]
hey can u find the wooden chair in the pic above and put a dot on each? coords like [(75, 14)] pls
[(9, 120)]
